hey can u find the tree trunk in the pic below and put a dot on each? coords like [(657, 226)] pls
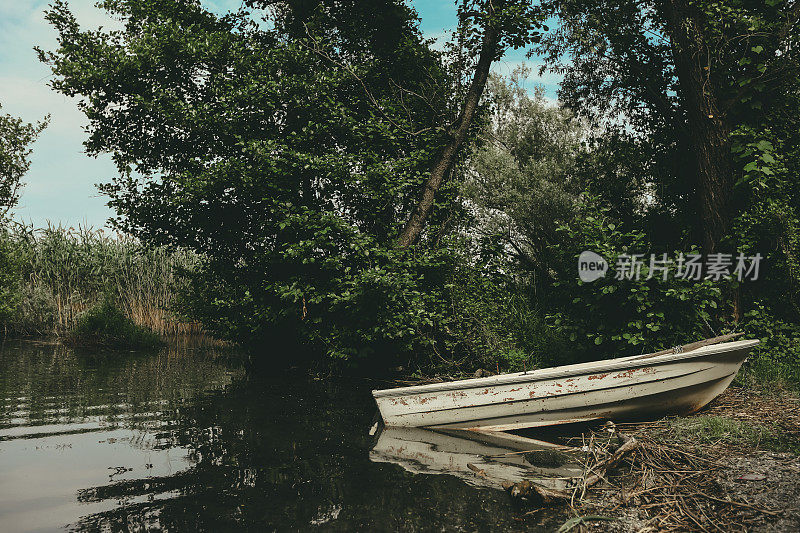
[(458, 132), (709, 129)]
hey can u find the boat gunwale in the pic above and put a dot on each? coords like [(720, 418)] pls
[(620, 363)]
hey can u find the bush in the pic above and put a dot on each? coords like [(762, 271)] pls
[(777, 357), (373, 307), (10, 278), (480, 321), (611, 317), (489, 322), (106, 326)]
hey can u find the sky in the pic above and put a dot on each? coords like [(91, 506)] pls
[(60, 185)]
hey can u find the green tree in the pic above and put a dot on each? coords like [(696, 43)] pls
[(293, 144), (523, 177), (530, 184), (683, 76), (16, 136), (287, 153), (694, 105)]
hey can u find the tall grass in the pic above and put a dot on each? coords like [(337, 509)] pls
[(65, 271)]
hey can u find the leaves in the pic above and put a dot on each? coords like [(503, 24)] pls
[(16, 137), (283, 159)]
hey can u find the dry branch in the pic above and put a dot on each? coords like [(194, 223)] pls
[(545, 496)]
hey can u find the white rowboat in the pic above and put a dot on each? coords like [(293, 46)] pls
[(631, 387)]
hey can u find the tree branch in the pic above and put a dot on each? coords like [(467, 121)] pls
[(444, 161)]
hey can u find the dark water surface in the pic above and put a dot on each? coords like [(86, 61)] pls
[(187, 440)]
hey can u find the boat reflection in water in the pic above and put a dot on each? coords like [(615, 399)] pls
[(483, 459)]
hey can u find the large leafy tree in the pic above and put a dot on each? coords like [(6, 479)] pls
[(693, 101), (286, 150), (531, 185), (294, 144), (524, 180), (679, 79)]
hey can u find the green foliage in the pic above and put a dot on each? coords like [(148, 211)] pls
[(10, 277), (769, 222), (15, 139), (615, 316), (523, 181), (518, 22), (285, 158), (354, 312), (777, 357), (486, 322), (528, 187), (288, 155), (104, 325), (625, 68)]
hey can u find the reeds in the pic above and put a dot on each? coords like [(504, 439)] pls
[(65, 271)]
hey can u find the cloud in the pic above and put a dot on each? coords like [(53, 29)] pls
[(60, 184)]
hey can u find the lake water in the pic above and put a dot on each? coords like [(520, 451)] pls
[(187, 439)]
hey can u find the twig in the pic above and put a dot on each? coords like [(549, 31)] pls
[(737, 504)]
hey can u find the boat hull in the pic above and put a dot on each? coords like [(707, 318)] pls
[(618, 389)]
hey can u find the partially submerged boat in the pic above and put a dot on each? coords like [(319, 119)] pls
[(677, 381)]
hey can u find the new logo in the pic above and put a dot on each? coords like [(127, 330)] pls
[(591, 266)]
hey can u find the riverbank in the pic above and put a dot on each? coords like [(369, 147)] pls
[(734, 466)]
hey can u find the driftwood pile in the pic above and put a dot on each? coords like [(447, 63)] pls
[(540, 495), (678, 490), (672, 489)]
